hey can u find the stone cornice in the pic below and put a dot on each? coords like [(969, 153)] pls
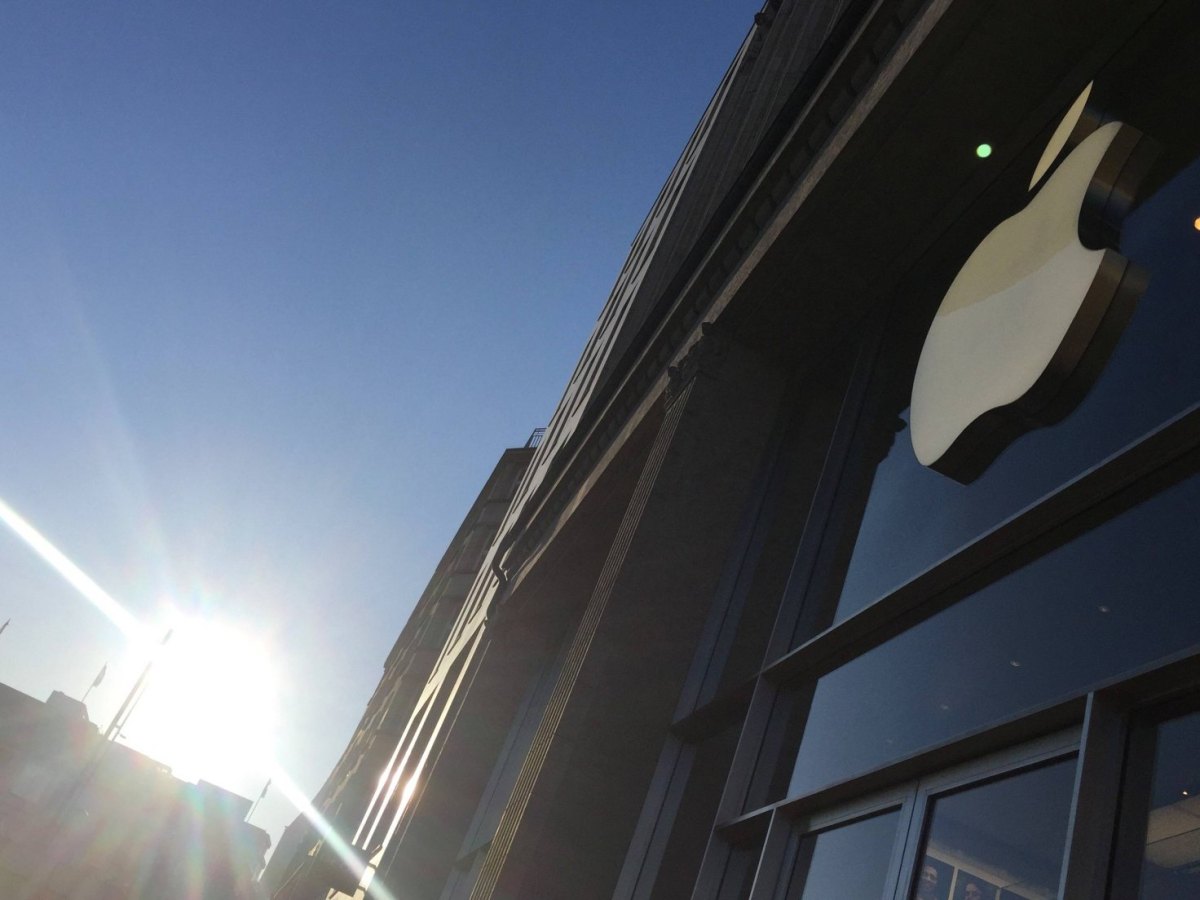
[(819, 104)]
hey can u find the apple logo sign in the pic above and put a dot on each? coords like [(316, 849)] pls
[(1030, 319)]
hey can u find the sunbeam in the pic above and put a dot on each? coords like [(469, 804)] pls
[(76, 577), (336, 842), (139, 635)]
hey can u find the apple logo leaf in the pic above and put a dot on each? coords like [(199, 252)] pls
[(1029, 321)]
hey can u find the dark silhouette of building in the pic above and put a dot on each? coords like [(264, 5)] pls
[(733, 639), (88, 819)]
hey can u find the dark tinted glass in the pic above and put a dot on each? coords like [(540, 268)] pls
[(1171, 867), (1112, 599), (846, 863), (1001, 841), (915, 517)]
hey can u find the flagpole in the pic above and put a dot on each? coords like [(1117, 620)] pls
[(266, 787), (95, 682), (133, 696)]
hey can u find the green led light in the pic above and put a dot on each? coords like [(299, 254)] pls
[(983, 151)]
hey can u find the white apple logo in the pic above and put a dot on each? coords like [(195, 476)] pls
[(1028, 321)]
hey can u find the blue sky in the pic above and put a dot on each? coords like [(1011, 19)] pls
[(280, 283)]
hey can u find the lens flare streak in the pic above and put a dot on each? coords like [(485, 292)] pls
[(136, 632), (335, 841), (76, 577)]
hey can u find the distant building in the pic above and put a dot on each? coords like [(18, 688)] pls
[(302, 866), (860, 559), (86, 819)]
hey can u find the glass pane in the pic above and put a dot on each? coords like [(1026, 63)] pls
[(1002, 841), (914, 517), (1171, 867), (846, 863), (1113, 599)]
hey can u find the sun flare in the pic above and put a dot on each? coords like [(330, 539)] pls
[(209, 708)]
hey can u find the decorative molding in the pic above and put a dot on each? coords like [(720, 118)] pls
[(821, 101), (705, 356)]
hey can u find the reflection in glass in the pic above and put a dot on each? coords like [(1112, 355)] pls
[(1115, 598), (1171, 867), (1001, 841), (846, 863), (914, 517)]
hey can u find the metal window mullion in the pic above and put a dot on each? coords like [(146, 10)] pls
[(1095, 799), (1085, 502), (640, 870), (827, 499), (776, 860)]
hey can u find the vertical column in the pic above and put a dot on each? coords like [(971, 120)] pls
[(575, 804)]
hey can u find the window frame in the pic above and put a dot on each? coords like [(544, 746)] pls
[(807, 643), (791, 821), (1141, 470), (1105, 730), (1150, 464)]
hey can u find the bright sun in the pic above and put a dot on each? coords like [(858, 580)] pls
[(209, 708)]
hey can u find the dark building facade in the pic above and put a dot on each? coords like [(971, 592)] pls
[(304, 865), (860, 558), (82, 818)]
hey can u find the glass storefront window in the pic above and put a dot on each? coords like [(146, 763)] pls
[(1113, 599), (1003, 840), (1171, 866), (915, 517), (846, 863)]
